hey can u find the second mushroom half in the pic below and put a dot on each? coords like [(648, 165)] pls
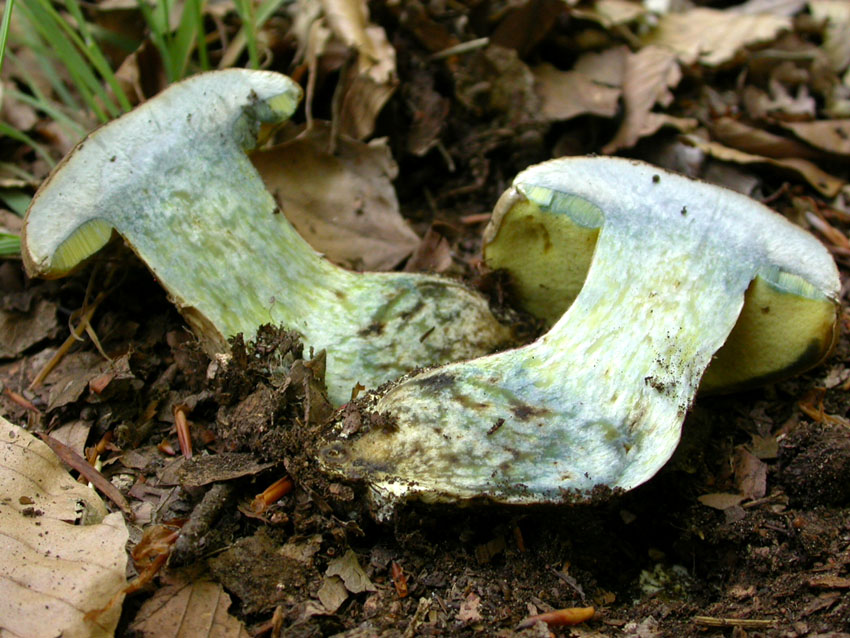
[(601, 398), (173, 179)]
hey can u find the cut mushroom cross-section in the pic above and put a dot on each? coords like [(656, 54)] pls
[(600, 399), (172, 177)]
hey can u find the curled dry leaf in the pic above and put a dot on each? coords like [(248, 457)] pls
[(567, 94), (63, 556), (836, 37), (649, 75), (349, 570), (713, 37), (342, 203), (371, 80), (822, 181), (750, 139), (830, 135)]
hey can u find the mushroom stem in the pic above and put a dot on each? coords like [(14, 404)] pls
[(601, 398), (173, 179)]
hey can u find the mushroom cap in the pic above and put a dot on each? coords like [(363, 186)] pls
[(789, 320), (69, 218)]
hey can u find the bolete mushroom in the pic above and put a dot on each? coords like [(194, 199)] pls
[(601, 398), (547, 251), (173, 179)]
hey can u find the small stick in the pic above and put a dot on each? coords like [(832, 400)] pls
[(744, 623), (458, 49), (184, 436)]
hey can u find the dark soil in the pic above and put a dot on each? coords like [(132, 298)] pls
[(654, 561)]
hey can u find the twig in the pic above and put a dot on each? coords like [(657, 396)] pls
[(463, 47), (744, 623), (100, 482)]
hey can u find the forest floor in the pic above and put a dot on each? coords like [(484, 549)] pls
[(745, 532)]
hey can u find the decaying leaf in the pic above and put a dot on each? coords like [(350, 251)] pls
[(20, 330), (612, 13), (649, 75), (750, 474), (566, 94), (607, 67), (830, 135), (64, 555), (750, 139), (721, 500), (713, 37), (342, 203), (469, 609), (349, 570), (836, 41), (823, 182), (332, 593), (370, 79), (197, 609)]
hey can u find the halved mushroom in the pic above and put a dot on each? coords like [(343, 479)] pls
[(782, 330), (172, 178), (600, 399)]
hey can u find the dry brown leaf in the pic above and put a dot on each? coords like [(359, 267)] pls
[(197, 609), (74, 435), (332, 593), (750, 474), (433, 254), (786, 8), (607, 67), (836, 37), (63, 555), (720, 500), (372, 80), (750, 139), (367, 86), (649, 75), (611, 13), (20, 330), (349, 570), (823, 182), (349, 20), (567, 94), (830, 135), (782, 104), (343, 204), (713, 37), (469, 609)]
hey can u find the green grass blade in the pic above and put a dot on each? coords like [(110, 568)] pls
[(57, 46), (4, 29), (48, 72), (159, 36), (88, 44), (245, 9), (16, 200), (265, 10), (190, 30), (203, 56), (15, 134), (10, 245), (40, 103)]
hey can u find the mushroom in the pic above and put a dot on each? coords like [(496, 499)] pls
[(547, 254), (600, 399), (173, 179)]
